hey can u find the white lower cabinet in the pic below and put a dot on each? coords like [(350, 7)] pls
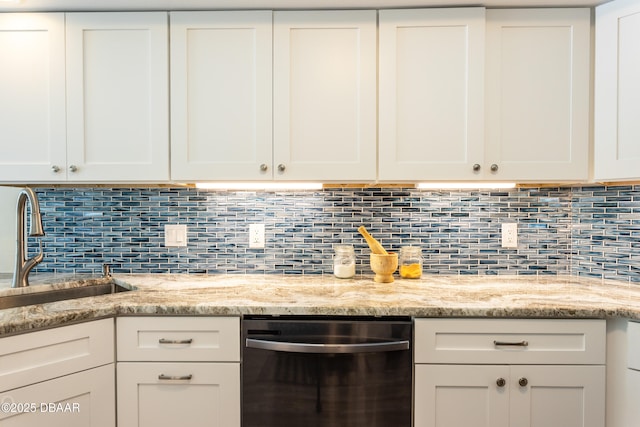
[(633, 373), (515, 396), (60, 377), (441, 391), (509, 391), (633, 389), (184, 394), (178, 371), (84, 399)]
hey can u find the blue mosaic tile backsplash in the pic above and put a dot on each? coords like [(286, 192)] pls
[(592, 231)]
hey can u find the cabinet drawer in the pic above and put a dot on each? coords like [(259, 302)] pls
[(185, 339), (37, 356), (513, 341)]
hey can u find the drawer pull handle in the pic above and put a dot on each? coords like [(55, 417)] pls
[(512, 344), (500, 382), (165, 341), (175, 378), (523, 382)]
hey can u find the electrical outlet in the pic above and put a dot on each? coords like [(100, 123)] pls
[(175, 235), (256, 236), (510, 235)]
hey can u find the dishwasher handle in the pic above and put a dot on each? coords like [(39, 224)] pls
[(292, 347)]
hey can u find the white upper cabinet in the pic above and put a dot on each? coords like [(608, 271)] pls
[(221, 95), (324, 83), (117, 96), (501, 96), (257, 95), (537, 94), (32, 96), (431, 88), (617, 91), (464, 94)]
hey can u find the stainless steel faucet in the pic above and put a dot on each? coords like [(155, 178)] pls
[(24, 265)]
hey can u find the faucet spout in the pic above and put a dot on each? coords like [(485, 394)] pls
[(24, 265)]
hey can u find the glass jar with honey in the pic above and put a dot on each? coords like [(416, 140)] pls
[(410, 262)]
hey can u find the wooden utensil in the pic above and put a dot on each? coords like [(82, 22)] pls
[(375, 246)]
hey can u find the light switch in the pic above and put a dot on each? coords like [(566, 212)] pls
[(175, 235)]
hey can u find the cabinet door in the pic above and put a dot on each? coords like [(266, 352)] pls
[(324, 95), (557, 396), (431, 120), (207, 395), (117, 96), (537, 93), (32, 97), (617, 91), (461, 395), (85, 399), (633, 390), (221, 121)]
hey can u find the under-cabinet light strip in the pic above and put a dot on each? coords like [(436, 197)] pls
[(464, 185), (260, 185), (283, 186)]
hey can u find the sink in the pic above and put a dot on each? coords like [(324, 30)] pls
[(19, 300)]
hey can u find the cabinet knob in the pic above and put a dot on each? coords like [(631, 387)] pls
[(55, 169), (494, 168), (500, 382), (476, 167), (264, 167), (73, 168), (281, 167), (523, 382)]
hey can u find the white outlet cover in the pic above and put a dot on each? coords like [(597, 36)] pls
[(510, 235), (175, 235), (256, 236)]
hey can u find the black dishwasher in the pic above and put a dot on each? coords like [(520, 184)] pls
[(326, 371)]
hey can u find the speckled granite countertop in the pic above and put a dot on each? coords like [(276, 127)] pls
[(431, 296)]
